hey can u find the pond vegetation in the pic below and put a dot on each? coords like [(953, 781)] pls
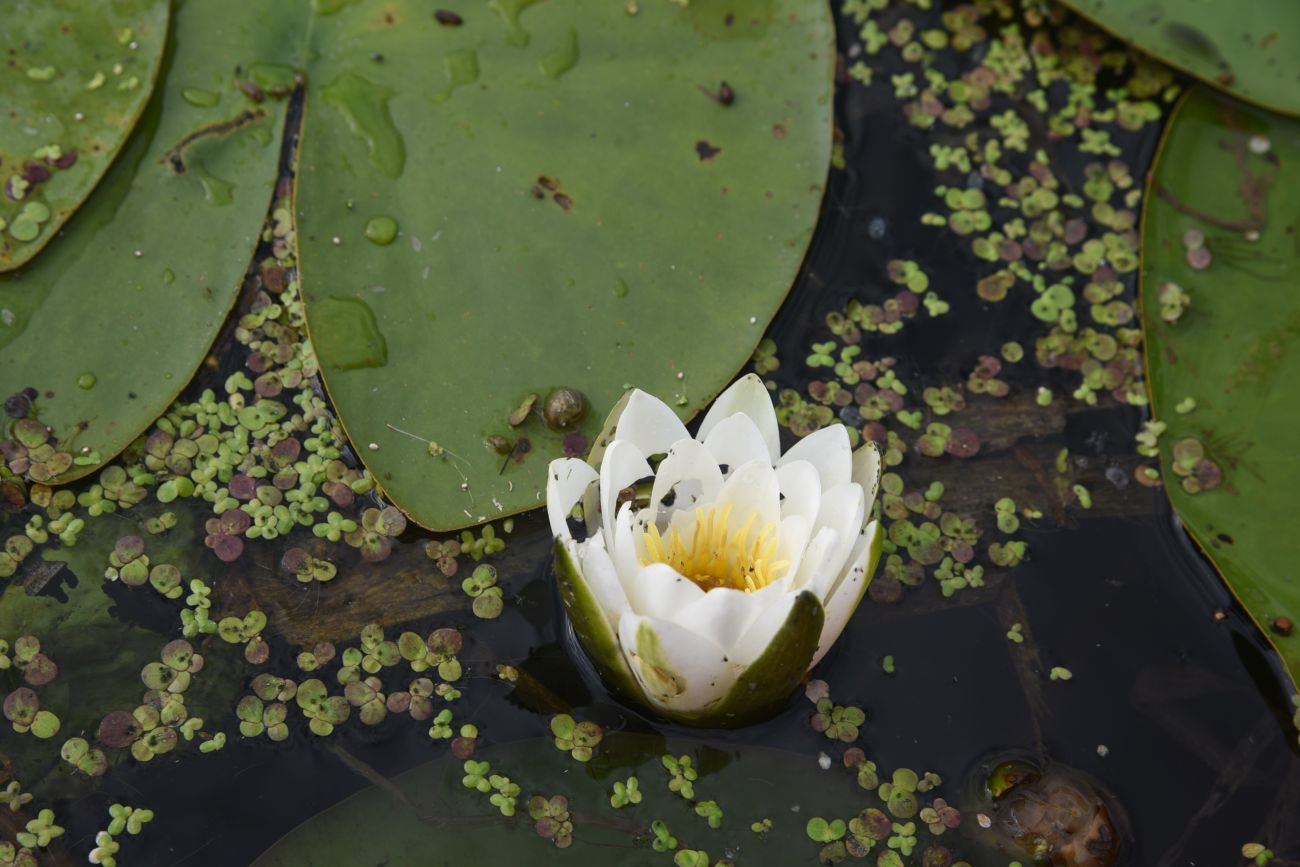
[(276, 589)]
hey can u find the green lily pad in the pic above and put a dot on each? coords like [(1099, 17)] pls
[(78, 73), (1249, 49), (429, 809), (145, 275), (1226, 174), (575, 205)]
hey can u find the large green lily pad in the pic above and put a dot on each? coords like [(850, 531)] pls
[(76, 76), (114, 324), (1250, 49), (1230, 172), (427, 809), (573, 209)]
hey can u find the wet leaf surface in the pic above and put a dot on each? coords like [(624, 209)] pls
[(1224, 179), (76, 79), (574, 208), (145, 275)]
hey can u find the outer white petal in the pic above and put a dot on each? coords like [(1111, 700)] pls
[(622, 465), (801, 489), (816, 558), (752, 487), (649, 424), (760, 633), (846, 595), (624, 545), (750, 396), (735, 440), (829, 451), (866, 472), (567, 479), (687, 461), (658, 590), (842, 509), (677, 669), (722, 614), (598, 569)]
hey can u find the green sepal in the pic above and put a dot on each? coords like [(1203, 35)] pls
[(770, 680), (594, 632)]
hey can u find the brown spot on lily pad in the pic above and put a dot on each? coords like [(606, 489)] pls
[(575, 444), (706, 151)]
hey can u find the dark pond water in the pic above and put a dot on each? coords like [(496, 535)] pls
[(1176, 706)]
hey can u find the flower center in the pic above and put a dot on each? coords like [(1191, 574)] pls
[(717, 557)]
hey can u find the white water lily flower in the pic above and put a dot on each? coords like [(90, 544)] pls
[(711, 591)]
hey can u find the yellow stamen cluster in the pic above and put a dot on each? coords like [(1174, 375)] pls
[(717, 557)]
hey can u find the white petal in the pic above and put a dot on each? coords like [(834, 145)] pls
[(649, 424), (749, 396), (752, 488), (866, 472), (722, 614), (842, 509), (793, 541), (567, 479), (602, 578), (734, 441), (624, 547), (829, 451), (622, 465), (801, 489), (677, 669), (658, 590), (846, 595), (687, 461), (816, 558), (764, 628)]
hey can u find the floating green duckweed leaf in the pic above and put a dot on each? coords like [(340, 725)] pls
[(1248, 49), (500, 284), (76, 79), (151, 214), (1230, 172)]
